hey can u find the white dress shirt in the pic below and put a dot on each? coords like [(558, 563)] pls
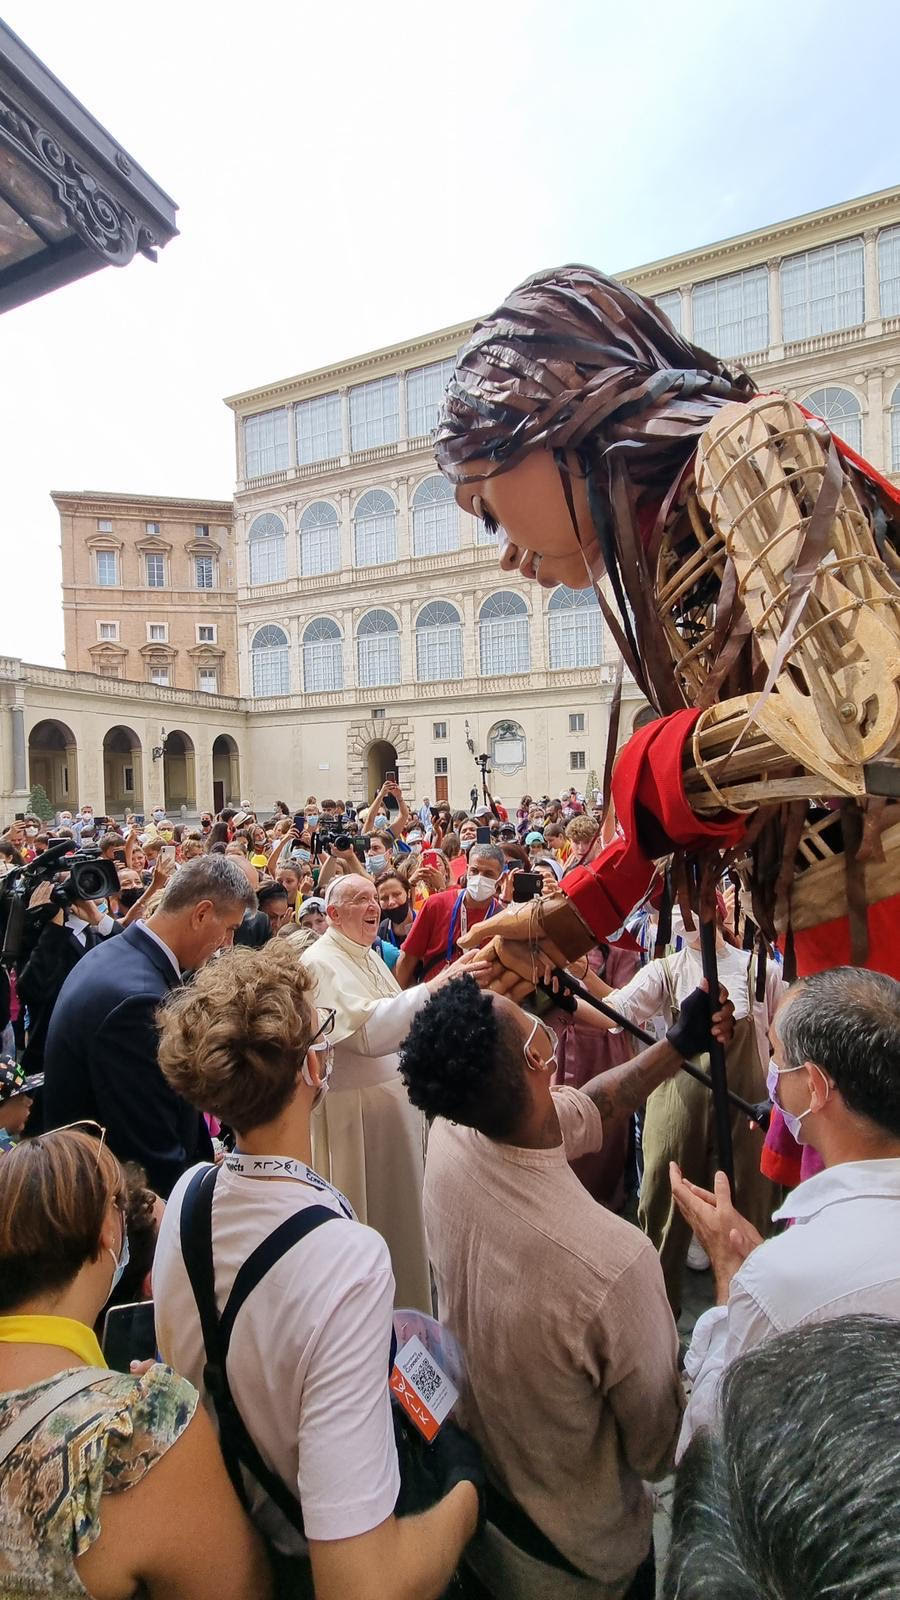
[(839, 1259), (79, 927)]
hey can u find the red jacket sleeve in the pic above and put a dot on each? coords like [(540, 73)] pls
[(655, 817)]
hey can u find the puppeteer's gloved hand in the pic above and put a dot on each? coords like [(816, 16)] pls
[(690, 1033), (456, 1458)]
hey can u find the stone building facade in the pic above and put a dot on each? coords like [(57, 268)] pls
[(370, 627)]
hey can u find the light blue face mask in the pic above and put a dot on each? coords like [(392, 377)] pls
[(376, 864), (122, 1261), (793, 1120), (381, 820), (311, 819), (302, 855)]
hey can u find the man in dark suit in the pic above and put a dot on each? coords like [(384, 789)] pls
[(100, 1060), (62, 943)]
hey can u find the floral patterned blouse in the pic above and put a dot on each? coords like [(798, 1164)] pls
[(97, 1442)]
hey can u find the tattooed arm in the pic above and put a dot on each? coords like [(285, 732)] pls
[(622, 1090)]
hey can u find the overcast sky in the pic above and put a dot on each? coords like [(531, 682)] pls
[(348, 174)]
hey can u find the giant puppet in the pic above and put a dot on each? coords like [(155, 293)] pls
[(753, 563)]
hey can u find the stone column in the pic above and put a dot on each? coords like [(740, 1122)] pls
[(400, 487), (872, 307), (407, 643), (403, 430), (776, 332), (346, 531), (873, 441), (687, 311), (20, 768), (292, 437), (344, 393)]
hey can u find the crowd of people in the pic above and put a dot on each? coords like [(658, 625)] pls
[(268, 1082)]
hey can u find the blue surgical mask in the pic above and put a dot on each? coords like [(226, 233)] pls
[(122, 1261), (311, 819), (793, 1120), (381, 820), (376, 864), (300, 854)]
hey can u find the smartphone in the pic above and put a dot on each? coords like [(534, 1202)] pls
[(168, 852), (390, 777), (482, 835), (299, 821), (129, 1335), (527, 885), (431, 858), (19, 816)]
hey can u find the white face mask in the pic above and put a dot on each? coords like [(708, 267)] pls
[(325, 1054), (479, 887)]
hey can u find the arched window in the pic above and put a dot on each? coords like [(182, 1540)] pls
[(266, 538), (320, 543), (378, 650), (270, 660), (374, 529), (575, 636), (323, 667), (503, 635), (435, 518), (895, 430), (841, 410), (438, 642)]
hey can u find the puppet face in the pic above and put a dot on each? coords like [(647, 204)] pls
[(528, 506)]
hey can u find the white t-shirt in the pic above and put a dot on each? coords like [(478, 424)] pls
[(308, 1359)]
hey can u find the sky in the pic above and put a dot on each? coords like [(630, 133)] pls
[(350, 174)]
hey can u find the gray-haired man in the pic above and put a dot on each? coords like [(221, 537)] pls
[(433, 940), (100, 1059)]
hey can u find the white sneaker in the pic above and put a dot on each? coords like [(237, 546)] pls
[(697, 1259)]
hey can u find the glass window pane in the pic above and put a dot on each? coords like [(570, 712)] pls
[(435, 518), (424, 393), (574, 628), (156, 572), (203, 569), (209, 680), (320, 542), (267, 549), (670, 305), (823, 289), (375, 413), (270, 661), (889, 273), (374, 529), (438, 642), (841, 410), (266, 444), (895, 430), (107, 568), (731, 314), (319, 429)]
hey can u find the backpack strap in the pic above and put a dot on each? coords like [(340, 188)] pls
[(196, 1247), (43, 1405)]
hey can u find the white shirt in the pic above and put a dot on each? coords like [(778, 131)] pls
[(308, 1360), (163, 946), (840, 1258), (648, 994), (79, 927)]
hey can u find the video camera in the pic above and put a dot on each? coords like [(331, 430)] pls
[(89, 878)]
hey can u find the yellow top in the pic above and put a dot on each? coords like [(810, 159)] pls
[(62, 1331)]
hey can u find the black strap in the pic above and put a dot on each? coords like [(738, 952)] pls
[(196, 1247)]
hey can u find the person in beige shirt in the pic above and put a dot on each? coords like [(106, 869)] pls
[(571, 1354)]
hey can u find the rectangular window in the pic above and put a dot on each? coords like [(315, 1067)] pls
[(107, 568), (108, 630), (209, 680), (670, 305), (319, 436), (439, 730), (109, 671), (731, 315), (577, 760), (822, 290), (160, 676), (152, 530), (889, 274), (440, 766), (375, 413), (128, 780), (266, 445), (204, 572), (424, 392), (576, 722), (156, 572), (158, 632), (201, 530), (104, 525), (206, 633)]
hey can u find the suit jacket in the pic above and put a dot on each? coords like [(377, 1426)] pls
[(40, 981), (100, 1060)]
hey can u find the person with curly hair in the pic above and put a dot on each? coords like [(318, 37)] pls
[(559, 1305), (309, 1354)]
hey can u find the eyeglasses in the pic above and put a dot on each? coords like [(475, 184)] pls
[(95, 1129), (324, 1029)]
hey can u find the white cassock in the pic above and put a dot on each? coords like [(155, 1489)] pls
[(366, 1137)]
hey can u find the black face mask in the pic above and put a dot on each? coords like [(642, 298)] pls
[(398, 914), (129, 897)]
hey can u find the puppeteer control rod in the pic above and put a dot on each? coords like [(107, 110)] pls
[(717, 1068), (760, 1114)]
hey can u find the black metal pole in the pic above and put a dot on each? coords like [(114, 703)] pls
[(760, 1114), (717, 1068)]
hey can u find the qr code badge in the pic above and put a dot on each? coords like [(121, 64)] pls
[(422, 1387)]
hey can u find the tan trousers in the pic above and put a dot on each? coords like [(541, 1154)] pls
[(680, 1126)]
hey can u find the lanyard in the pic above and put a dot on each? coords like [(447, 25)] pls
[(65, 1332), (283, 1167), (459, 916)]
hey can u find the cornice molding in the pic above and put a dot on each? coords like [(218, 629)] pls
[(101, 502)]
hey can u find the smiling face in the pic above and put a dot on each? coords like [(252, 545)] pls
[(527, 506), (353, 909)]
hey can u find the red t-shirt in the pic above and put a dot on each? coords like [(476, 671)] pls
[(428, 937), (459, 866)]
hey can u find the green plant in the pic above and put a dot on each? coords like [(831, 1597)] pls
[(39, 804)]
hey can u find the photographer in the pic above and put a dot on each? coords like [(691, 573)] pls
[(378, 809), (308, 1360), (62, 942)]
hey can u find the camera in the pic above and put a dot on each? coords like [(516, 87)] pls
[(89, 878)]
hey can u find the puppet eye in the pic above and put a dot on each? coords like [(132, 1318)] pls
[(484, 516)]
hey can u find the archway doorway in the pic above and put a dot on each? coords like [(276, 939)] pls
[(226, 772), (179, 782), (123, 771), (53, 763), (382, 759), (644, 718)]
